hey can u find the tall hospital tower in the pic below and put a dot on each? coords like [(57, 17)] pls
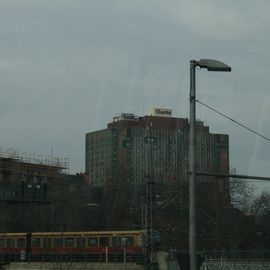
[(132, 147)]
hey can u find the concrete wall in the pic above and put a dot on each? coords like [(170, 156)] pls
[(161, 260)]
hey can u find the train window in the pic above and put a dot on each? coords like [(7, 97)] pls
[(80, 242), (120, 241), (21, 242), (116, 241), (47, 243), (1, 243), (10, 243), (58, 242), (69, 242), (92, 241), (130, 241), (35, 242), (104, 241)]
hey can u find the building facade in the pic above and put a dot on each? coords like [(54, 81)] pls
[(131, 148), (38, 194), (25, 191)]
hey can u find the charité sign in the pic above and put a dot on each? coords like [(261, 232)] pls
[(162, 112)]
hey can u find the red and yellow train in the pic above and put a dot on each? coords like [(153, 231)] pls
[(105, 244)]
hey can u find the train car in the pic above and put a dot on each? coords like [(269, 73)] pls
[(101, 245), (12, 245)]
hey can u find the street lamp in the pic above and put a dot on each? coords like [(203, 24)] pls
[(210, 65), (124, 245)]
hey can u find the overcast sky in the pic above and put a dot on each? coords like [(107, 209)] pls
[(68, 66)]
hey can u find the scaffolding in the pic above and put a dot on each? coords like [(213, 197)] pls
[(33, 159), (25, 180)]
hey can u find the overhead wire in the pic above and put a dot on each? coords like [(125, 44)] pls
[(233, 120), (238, 123)]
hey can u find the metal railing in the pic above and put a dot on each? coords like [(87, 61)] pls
[(252, 255), (75, 257)]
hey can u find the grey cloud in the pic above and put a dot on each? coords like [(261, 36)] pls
[(66, 67)]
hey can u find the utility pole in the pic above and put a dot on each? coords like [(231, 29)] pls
[(149, 204), (148, 225)]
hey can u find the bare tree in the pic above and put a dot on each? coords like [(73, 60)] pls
[(242, 194), (261, 204)]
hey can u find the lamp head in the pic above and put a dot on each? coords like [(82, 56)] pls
[(213, 65)]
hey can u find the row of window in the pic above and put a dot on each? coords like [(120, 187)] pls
[(66, 242)]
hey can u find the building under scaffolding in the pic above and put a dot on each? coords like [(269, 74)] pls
[(25, 190)]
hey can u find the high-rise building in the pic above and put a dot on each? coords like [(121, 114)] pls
[(132, 147)]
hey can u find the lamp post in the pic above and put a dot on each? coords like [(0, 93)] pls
[(210, 65), (124, 245)]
